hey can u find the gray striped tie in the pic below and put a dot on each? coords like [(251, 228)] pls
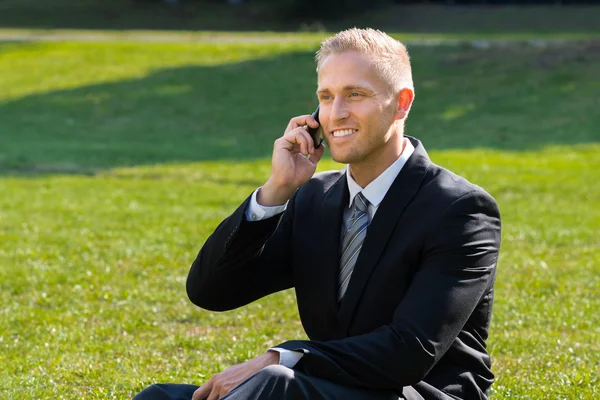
[(352, 242)]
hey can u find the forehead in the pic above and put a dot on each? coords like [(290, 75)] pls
[(346, 69)]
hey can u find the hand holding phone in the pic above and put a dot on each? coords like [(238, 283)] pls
[(290, 166), (316, 133)]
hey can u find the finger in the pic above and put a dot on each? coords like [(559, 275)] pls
[(223, 393), (214, 395), (316, 155), (309, 139), (203, 391), (298, 137), (302, 120)]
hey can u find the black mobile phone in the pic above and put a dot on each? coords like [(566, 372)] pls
[(316, 133)]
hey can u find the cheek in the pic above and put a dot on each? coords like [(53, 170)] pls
[(323, 114), (368, 117)]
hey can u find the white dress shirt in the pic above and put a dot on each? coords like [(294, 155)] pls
[(374, 192)]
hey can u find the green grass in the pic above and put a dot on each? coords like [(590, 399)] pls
[(117, 160)]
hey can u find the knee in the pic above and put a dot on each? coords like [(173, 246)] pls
[(166, 391), (149, 393)]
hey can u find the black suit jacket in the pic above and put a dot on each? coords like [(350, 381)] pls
[(418, 306)]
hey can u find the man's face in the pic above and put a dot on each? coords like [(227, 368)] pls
[(358, 109)]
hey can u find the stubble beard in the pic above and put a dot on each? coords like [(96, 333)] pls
[(362, 153), (366, 152)]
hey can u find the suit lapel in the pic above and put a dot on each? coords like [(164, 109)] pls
[(334, 202), (403, 190)]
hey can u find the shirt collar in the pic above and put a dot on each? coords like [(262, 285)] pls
[(376, 190)]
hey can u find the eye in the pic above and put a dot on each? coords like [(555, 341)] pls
[(355, 94)]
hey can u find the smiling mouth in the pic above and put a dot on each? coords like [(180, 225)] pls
[(344, 132)]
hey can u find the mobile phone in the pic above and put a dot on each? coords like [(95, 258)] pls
[(316, 133)]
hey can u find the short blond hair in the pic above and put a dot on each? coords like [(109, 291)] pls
[(389, 55)]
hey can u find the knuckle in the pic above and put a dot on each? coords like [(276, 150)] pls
[(295, 135)]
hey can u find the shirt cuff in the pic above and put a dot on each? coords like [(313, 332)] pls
[(256, 212), (287, 358)]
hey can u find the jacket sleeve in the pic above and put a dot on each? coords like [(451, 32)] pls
[(457, 270), (242, 261)]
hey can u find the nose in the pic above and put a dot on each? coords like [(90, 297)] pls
[(339, 110)]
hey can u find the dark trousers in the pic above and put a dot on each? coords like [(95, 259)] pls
[(280, 383)]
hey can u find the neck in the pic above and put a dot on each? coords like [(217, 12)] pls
[(368, 170)]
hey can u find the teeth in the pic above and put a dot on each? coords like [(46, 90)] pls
[(344, 132)]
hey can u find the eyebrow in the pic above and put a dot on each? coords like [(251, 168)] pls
[(347, 88)]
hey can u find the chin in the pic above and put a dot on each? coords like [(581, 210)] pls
[(344, 158)]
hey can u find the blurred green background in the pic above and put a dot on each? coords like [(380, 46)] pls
[(129, 130)]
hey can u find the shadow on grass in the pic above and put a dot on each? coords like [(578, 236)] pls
[(509, 99)]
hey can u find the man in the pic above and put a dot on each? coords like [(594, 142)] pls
[(393, 259)]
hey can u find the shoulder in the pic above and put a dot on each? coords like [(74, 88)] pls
[(451, 190), (438, 186)]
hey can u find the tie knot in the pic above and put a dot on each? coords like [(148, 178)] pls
[(360, 202)]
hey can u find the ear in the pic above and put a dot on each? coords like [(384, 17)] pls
[(405, 99)]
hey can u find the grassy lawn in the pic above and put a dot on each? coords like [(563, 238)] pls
[(118, 159)]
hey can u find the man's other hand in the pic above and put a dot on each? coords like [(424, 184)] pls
[(224, 382)]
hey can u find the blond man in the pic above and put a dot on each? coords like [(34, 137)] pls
[(393, 258)]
